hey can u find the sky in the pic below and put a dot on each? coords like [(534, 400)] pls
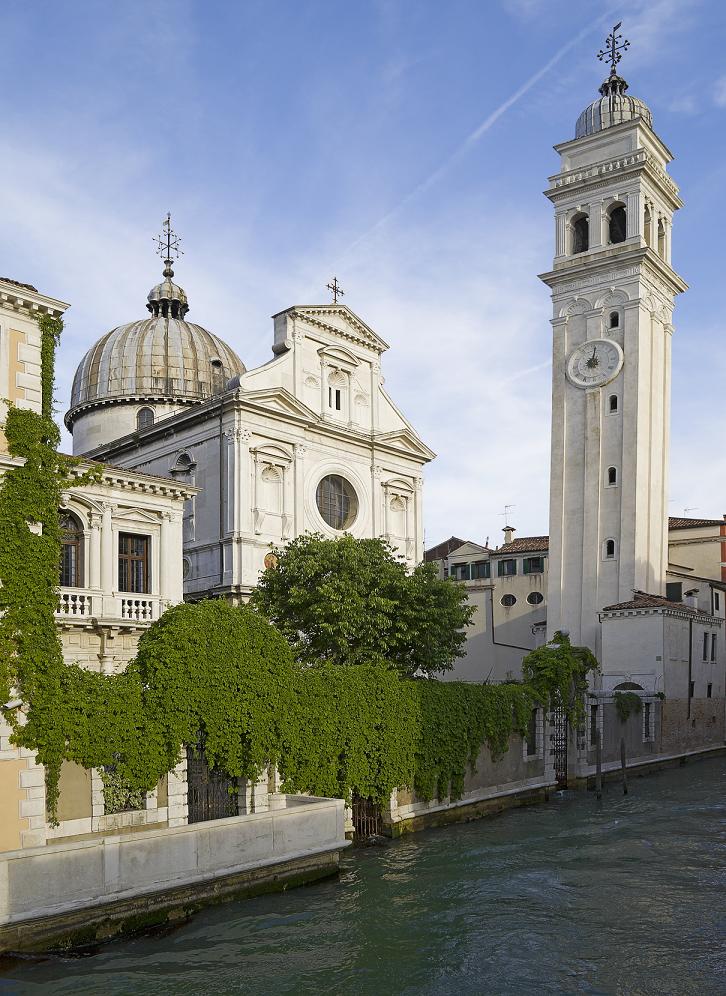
[(403, 147)]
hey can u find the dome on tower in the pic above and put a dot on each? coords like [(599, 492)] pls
[(163, 359), (613, 107)]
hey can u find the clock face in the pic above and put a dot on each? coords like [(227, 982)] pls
[(594, 363)]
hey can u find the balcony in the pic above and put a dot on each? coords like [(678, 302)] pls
[(124, 608)]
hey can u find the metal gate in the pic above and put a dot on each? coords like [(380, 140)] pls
[(558, 745), (211, 794), (366, 817)]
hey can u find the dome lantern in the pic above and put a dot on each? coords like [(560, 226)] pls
[(614, 106)]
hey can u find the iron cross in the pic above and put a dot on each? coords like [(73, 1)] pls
[(335, 289), (614, 48), (168, 242)]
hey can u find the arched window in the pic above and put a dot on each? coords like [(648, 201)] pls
[(648, 224), (183, 465), (610, 549), (613, 404), (508, 601), (336, 389), (71, 563), (661, 238), (618, 225), (614, 320), (612, 476), (144, 418), (580, 233)]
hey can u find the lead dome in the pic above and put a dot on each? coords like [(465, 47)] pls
[(613, 107)]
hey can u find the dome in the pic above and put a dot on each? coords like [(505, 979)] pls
[(162, 358), (613, 107)]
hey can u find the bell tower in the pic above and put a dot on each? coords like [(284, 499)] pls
[(613, 292)]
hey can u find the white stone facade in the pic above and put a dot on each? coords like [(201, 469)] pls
[(259, 451)]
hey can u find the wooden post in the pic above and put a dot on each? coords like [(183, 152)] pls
[(598, 765), (623, 766)]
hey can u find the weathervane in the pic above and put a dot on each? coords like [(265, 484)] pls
[(614, 48), (167, 244), (335, 289)]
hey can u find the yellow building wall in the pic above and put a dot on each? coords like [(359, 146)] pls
[(11, 823)]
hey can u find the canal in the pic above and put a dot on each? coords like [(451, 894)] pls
[(627, 897)]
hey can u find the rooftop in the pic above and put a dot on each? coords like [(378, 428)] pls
[(17, 283), (442, 550), (643, 600), (525, 544), (681, 522)]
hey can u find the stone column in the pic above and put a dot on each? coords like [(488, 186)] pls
[(178, 812), (109, 564), (595, 224), (94, 551), (561, 233)]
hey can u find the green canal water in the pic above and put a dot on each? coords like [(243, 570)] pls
[(626, 896)]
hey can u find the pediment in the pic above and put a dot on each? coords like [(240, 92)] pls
[(135, 515), (468, 549), (341, 322), (407, 440), (279, 399)]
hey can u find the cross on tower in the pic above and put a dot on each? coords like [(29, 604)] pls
[(167, 244), (335, 289), (614, 48)]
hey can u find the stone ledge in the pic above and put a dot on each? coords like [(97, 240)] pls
[(464, 812), (91, 925)]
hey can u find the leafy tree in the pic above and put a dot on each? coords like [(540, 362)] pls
[(351, 601)]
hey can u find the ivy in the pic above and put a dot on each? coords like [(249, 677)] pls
[(118, 796), (558, 674), (627, 704)]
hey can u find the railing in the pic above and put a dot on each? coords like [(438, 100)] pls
[(74, 603), (138, 609)]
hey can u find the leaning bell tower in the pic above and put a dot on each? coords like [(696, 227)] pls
[(613, 292)]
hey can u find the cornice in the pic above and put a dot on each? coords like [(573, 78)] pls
[(365, 337), (29, 302), (629, 166), (610, 266)]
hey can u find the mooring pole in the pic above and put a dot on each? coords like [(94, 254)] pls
[(622, 765), (598, 765)]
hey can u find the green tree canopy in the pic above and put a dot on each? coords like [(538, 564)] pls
[(352, 601), (557, 672)]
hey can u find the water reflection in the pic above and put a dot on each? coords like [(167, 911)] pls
[(570, 897)]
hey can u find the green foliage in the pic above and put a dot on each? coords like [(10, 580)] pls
[(558, 674), (118, 796), (349, 601), (627, 704)]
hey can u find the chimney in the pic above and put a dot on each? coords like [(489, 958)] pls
[(690, 598), (508, 530)]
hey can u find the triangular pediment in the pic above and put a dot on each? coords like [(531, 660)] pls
[(407, 440), (279, 399), (469, 549), (340, 321), (136, 515)]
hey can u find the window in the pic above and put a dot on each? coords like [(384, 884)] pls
[(614, 320), (613, 404), (610, 549), (461, 572), (532, 733), (716, 601), (506, 568), (71, 562), (508, 601), (705, 646), (593, 726), (617, 227), (535, 598), (481, 569), (713, 648), (144, 418), (334, 398), (133, 563), (533, 565), (709, 690), (647, 720), (337, 501), (691, 689), (580, 234), (661, 239), (612, 477)]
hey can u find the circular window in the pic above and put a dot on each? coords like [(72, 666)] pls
[(337, 501), (535, 597), (508, 601)]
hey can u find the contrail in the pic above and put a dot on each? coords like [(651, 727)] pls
[(475, 135)]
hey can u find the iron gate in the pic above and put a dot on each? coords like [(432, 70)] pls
[(211, 794), (366, 817), (558, 745)]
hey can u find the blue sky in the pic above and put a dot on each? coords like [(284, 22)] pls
[(403, 146)]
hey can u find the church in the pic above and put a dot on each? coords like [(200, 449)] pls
[(308, 442)]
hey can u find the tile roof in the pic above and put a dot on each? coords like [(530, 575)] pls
[(643, 600), (680, 522), (525, 544), (442, 550), (17, 283)]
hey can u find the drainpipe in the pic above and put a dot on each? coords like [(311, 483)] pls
[(498, 643), (690, 664), (221, 502)]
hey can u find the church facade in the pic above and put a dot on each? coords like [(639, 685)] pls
[(309, 442)]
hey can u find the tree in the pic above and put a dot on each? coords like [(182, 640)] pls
[(558, 674), (352, 601)]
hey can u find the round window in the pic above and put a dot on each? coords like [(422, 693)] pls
[(337, 501), (535, 597), (508, 601)]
